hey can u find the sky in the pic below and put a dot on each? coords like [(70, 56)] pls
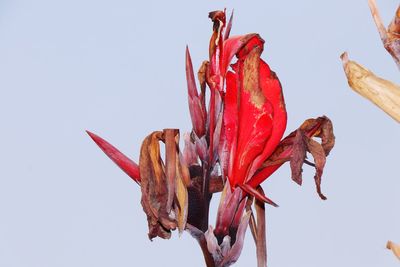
[(117, 68)]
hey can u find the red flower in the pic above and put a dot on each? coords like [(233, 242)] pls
[(235, 144)]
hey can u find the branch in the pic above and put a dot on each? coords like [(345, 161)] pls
[(391, 36), (395, 248), (383, 93)]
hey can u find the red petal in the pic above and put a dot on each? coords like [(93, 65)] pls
[(262, 175), (231, 47), (231, 120), (126, 164), (273, 92), (255, 119), (258, 195), (195, 106)]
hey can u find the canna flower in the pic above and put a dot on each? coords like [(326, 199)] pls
[(234, 146)]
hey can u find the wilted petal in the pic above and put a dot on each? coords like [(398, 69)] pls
[(212, 245), (292, 149), (181, 195), (154, 188), (225, 245), (298, 156), (170, 168), (164, 187)]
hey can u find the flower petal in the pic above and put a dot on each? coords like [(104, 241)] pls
[(234, 253), (125, 163)]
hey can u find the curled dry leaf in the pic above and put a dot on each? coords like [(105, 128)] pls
[(164, 193), (385, 94), (293, 148), (394, 247)]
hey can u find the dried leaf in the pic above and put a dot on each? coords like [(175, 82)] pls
[(292, 148), (164, 192), (154, 188), (171, 164), (319, 156), (181, 207), (202, 77), (216, 41), (383, 93), (394, 247), (298, 156)]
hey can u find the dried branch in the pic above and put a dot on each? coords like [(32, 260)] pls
[(390, 36), (383, 93), (394, 247)]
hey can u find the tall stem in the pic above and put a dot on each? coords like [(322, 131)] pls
[(206, 195)]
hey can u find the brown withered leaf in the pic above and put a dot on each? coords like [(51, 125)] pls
[(181, 207), (171, 166), (164, 193), (293, 148), (298, 156), (154, 188), (394, 247)]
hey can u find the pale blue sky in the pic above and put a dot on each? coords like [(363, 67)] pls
[(117, 68)]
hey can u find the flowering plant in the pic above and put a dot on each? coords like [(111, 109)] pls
[(234, 146)]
